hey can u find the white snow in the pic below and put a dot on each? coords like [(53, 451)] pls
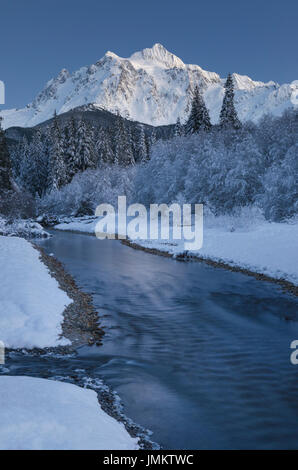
[(269, 249), (152, 86), (39, 414), (83, 224), (22, 228), (31, 302), (261, 247)]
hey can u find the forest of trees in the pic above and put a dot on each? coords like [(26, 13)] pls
[(227, 166), (52, 158)]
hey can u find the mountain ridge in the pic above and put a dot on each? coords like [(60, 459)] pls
[(152, 86)]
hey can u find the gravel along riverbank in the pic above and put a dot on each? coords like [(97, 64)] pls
[(81, 321)]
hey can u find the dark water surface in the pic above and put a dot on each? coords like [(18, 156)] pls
[(201, 356)]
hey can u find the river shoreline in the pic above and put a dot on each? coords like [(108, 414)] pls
[(175, 333), (81, 320), (81, 327), (287, 286)]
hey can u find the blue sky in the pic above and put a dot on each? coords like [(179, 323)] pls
[(39, 38)]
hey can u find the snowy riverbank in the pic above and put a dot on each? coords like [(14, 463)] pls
[(45, 415), (22, 228), (256, 246), (41, 307), (40, 304), (31, 302)]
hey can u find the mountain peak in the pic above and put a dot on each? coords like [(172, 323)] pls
[(152, 86), (111, 54), (158, 55)]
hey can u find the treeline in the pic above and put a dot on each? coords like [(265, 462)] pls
[(226, 169), (57, 154), (71, 169), (52, 158)]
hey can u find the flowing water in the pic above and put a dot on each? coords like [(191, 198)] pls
[(199, 355)]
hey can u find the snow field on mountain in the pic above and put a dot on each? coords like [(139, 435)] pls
[(152, 86)]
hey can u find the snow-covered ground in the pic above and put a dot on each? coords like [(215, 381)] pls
[(31, 302), (22, 228), (43, 414), (259, 246)]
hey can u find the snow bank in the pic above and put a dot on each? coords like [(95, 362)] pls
[(261, 247), (22, 228), (84, 225), (31, 302), (42, 414), (269, 249)]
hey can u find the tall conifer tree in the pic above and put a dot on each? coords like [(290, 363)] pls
[(199, 116), (5, 164), (228, 114)]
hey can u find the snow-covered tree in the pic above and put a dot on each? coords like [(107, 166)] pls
[(70, 149), (38, 166), (107, 154), (57, 169), (123, 143), (199, 116), (141, 145), (280, 196), (25, 168), (85, 154), (179, 129), (228, 115), (5, 163)]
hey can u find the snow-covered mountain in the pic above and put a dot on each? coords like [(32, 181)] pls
[(152, 86)]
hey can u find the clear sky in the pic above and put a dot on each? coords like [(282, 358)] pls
[(39, 38)]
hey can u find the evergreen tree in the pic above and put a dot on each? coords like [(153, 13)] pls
[(153, 137), (199, 116), (38, 165), (70, 152), (142, 151), (57, 170), (85, 155), (179, 130), (228, 115), (107, 154), (16, 154), (128, 152), (98, 145), (27, 167), (47, 143), (5, 164), (123, 143)]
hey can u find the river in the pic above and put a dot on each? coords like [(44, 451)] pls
[(199, 355)]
